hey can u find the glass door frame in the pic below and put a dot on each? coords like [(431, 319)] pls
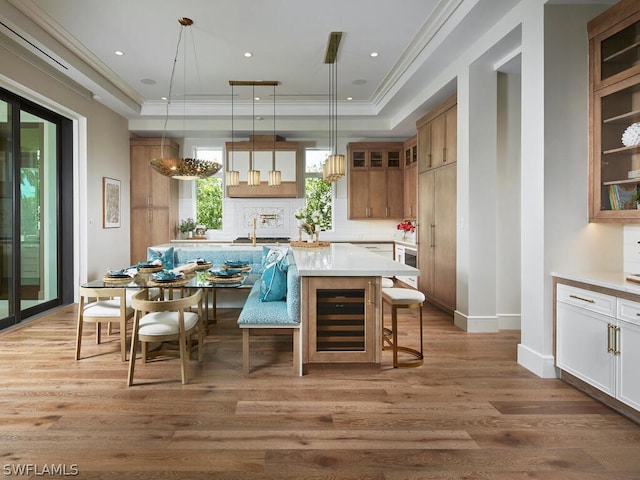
[(64, 203)]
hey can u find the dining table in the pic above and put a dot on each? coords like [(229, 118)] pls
[(187, 281)]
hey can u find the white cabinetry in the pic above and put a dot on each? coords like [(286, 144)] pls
[(598, 341)]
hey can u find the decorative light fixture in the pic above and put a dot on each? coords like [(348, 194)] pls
[(178, 167), (233, 176), (275, 176), (253, 176), (334, 166)]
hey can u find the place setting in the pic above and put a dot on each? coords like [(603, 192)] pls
[(123, 276), (226, 277), (151, 266), (236, 266), (200, 264), (167, 278)]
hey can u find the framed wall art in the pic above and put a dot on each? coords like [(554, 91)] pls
[(110, 203)]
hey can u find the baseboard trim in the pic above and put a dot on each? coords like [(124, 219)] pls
[(542, 365)]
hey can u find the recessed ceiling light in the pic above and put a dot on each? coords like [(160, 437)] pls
[(349, 98), (148, 81), (248, 54), (119, 53), (259, 118), (163, 98), (373, 54), (257, 99)]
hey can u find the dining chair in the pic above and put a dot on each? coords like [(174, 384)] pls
[(164, 320), (103, 305)]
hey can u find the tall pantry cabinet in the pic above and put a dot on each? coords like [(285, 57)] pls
[(154, 197), (437, 180)]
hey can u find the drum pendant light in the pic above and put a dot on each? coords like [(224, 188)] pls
[(334, 166), (275, 176), (233, 176), (253, 176)]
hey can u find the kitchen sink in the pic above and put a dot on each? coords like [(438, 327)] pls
[(262, 240)]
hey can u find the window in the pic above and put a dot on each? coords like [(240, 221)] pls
[(209, 192), (318, 192)]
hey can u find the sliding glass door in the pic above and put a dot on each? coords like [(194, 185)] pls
[(32, 221)]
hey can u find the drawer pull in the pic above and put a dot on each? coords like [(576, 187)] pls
[(583, 299)]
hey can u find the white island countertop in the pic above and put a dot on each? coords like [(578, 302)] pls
[(347, 260), (612, 280)]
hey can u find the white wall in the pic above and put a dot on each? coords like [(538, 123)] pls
[(508, 200)]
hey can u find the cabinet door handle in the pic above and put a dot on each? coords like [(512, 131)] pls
[(150, 212), (583, 299), (433, 235), (616, 338), (386, 211), (444, 155), (609, 342), (372, 293), (149, 201)]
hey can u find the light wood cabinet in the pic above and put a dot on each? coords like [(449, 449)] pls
[(411, 178), (376, 180), (437, 136), (437, 235), (340, 320), (154, 197), (614, 79), (238, 155)]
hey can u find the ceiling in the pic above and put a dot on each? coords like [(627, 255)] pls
[(288, 39)]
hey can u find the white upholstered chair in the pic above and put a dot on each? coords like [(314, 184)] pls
[(103, 305), (166, 321)]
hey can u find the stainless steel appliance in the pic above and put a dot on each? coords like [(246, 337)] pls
[(409, 256)]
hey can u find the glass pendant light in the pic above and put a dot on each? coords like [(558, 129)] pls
[(275, 176), (253, 176), (334, 166), (233, 176)]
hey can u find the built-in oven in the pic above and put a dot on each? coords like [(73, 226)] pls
[(408, 256)]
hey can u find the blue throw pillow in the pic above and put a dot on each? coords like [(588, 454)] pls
[(273, 284), (166, 257), (271, 255)]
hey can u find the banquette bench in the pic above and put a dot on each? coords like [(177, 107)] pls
[(260, 314)]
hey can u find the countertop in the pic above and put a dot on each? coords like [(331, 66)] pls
[(347, 260), (612, 280)]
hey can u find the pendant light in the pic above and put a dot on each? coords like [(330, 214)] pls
[(233, 176), (253, 176), (178, 167), (334, 166), (275, 176)]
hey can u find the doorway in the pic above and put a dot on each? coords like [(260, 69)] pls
[(35, 166)]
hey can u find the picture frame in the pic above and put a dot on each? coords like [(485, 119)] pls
[(110, 203)]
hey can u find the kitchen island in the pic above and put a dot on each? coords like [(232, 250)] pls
[(341, 302)]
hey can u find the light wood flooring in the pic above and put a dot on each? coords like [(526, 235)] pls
[(469, 413)]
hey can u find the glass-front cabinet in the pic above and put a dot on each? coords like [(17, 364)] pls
[(614, 145)]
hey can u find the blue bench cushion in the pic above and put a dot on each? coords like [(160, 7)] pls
[(256, 312)]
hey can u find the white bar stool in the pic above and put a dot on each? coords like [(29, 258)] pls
[(402, 298)]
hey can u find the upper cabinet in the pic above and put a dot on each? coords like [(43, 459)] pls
[(376, 181), (154, 197), (614, 143), (437, 136), (286, 160), (411, 178)]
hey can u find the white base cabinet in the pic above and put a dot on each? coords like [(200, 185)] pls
[(598, 341)]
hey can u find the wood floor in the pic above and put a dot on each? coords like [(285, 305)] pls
[(469, 413)]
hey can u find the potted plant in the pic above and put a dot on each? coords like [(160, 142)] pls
[(186, 227)]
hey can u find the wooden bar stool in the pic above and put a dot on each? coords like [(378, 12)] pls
[(402, 298)]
